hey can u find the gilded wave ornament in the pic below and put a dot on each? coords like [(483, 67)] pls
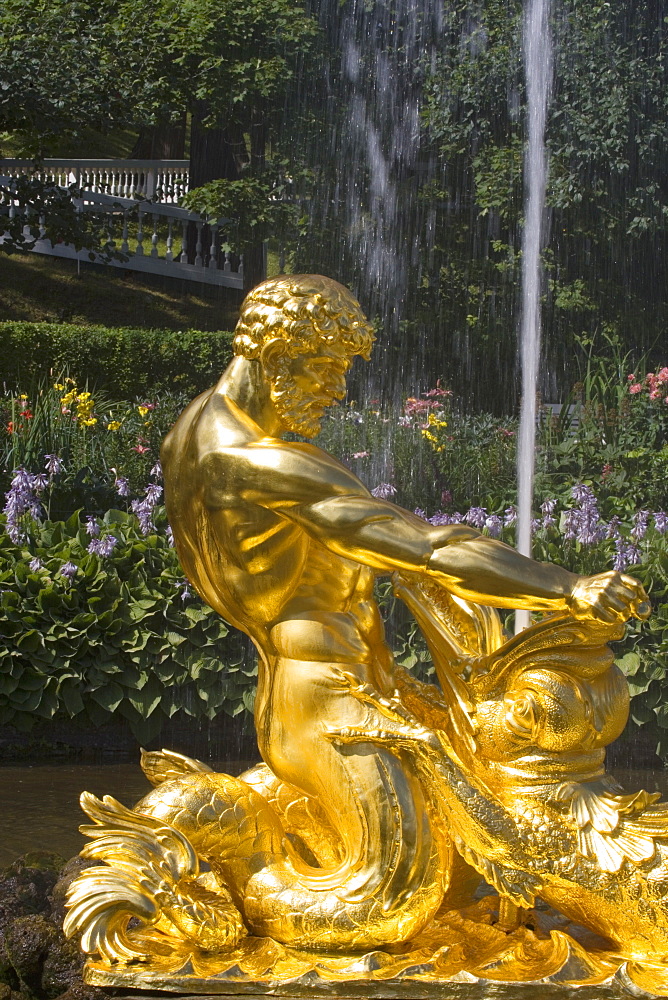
[(395, 831)]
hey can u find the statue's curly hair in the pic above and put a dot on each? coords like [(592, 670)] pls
[(303, 310)]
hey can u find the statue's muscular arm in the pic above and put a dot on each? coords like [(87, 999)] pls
[(310, 488)]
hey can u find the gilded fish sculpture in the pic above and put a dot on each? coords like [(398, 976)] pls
[(395, 830)]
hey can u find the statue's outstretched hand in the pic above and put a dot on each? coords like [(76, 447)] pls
[(608, 597)]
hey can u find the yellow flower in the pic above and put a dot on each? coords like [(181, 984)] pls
[(59, 386), (69, 397), (82, 397), (90, 422), (433, 421), (23, 396), (143, 410), (113, 425)]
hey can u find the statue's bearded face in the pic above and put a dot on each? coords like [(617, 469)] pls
[(303, 387)]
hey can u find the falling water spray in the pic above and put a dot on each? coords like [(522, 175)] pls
[(538, 72)]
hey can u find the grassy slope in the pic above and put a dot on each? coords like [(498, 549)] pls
[(39, 288)]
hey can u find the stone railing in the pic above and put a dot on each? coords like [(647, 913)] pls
[(165, 181), (153, 237)]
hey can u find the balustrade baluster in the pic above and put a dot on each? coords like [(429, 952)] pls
[(170, 240), (240, 269), (125, 248), (198, 245), (227, 266), (154, 237), (213, 250), (139, 252), (183, 256)]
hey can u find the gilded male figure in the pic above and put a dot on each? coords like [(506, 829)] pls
[(285, 542)]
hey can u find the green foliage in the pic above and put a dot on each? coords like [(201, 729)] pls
[(48, 212), (260, 203), (439, 457), (69, 65), (122, 636), (127, 362)]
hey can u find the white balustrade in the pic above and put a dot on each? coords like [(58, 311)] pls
[(165, 181), (127, 219)]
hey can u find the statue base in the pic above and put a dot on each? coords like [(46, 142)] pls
[(545, 956)]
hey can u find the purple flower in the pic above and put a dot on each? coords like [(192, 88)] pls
[(156, 471), (170, 535), (510, 516), (536, 524), (35, 564), (53, 465), (383, 491), (583, 524), (419, 512), (439, 519), (661, 522), (92, 527), (68, 570), (547, 509), (612, 531), (640, 523), (21, 500), (103, 546), (144, 509), (476, 517), (144, 514), (153, 493), (184, 590), (626, 554), (494, 524), (122, 486)]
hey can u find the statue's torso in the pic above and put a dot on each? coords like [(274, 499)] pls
[(256, 567)]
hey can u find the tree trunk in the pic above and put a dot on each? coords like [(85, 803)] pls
[(221, 153), (161, 142), (255, 257)]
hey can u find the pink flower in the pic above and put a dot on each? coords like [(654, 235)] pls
[(655, 394), (361, 454), (141, 449), (635, 388), (663, 375), (631, 378)]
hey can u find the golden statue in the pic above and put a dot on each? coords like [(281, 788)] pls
[(360, 848)]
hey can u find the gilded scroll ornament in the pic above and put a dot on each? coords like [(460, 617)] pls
[(360, 847)]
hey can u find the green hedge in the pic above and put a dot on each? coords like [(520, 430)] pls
[(127, 362), (123, 635)]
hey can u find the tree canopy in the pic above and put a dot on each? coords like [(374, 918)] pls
[(67, 65)]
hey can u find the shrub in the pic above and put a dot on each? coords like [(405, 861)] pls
[(85, 635), (126, 362)]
